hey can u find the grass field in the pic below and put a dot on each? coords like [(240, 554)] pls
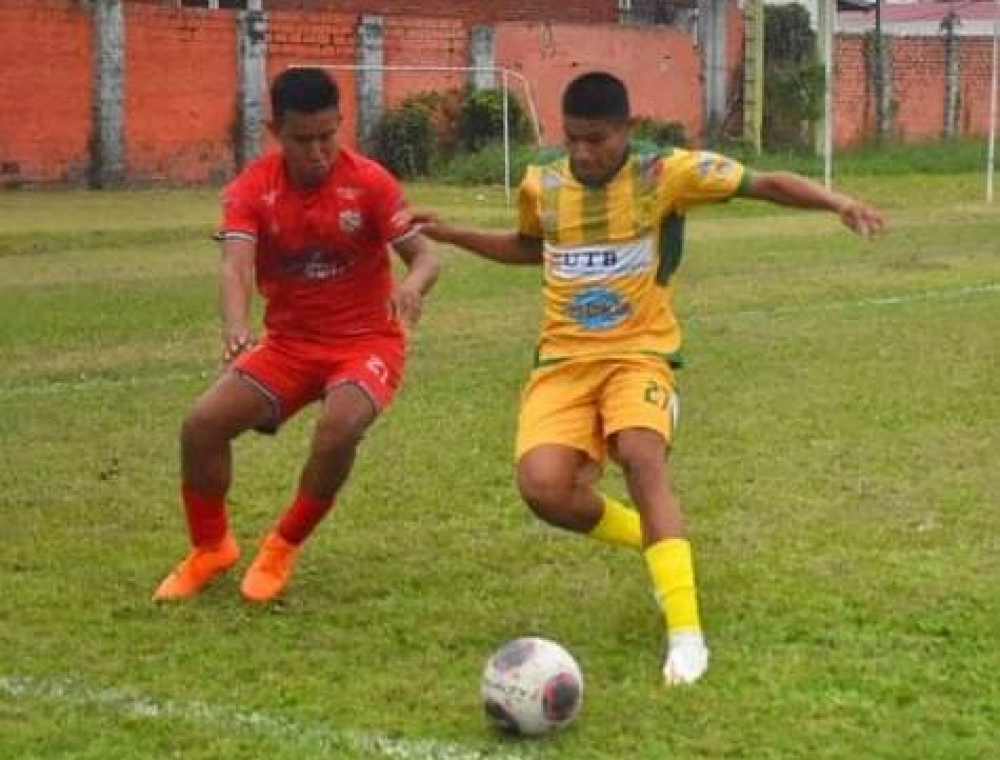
[(837, 458)]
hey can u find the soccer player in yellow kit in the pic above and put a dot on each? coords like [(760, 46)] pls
[(605, 220)]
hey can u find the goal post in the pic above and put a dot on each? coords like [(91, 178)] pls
[(505, 75)]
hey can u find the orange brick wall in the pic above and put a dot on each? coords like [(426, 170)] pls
[(180, 94), (45, 92), (854, 113), (977, 67), (424, 41), (655, 63), (181, 79), (918, 89), (473, 11), (325, 39)]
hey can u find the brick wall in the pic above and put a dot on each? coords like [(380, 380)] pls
[(326, 39), (181, 79), (473, 11), (918, 88), (658, 79), (180, 94), (45, 92), (974, 101), (424, 41)]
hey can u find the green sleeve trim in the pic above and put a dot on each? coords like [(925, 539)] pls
[(671, 247), (745, 180)]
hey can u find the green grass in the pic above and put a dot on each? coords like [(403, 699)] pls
[(837, 459), (890, 159)]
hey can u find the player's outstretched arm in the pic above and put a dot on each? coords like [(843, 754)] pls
[(503, 247), (788, 189)]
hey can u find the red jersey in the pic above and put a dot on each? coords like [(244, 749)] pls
[(322, 261)]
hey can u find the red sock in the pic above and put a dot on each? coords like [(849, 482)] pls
[(302, 517), (206, 517)]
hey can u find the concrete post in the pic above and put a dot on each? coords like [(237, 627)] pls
[(952, 73), (253, 85), (371, 55), (107, 143), (482, 49), (753, 73), (712, 41)]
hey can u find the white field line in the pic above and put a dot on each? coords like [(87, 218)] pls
[(315, 739), (864, 303), (84, 383)]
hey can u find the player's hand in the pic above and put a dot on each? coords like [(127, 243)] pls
[(234, 344), (406, 305), (864, 220), (428, 223)]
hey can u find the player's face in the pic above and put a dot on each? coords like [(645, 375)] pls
[(309, 142), (596, 147)]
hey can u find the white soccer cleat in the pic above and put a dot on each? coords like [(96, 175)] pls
[(686, 660)]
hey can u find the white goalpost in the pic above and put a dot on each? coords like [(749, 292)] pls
[(505, 74), (829, 23)]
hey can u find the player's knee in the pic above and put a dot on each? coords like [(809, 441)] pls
[(336, 437), (198, 428), (547, 494), (640, 452)]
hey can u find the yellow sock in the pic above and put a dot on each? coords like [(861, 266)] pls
[(672, 571), (619, 525)]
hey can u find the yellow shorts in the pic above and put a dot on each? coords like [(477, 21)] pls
[(580, 403)]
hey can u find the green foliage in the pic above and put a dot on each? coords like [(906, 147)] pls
[(406, 139), (788, 35), (480, 119), (661, 132), (432, 128), (793, 81)]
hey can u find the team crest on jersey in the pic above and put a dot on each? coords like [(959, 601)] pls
[(598, 309), (714, 164), (349, 220), (650, 169)]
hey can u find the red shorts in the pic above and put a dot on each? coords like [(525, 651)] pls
[(294, 373)]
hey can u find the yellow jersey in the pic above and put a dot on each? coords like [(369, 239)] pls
[(610, 252)]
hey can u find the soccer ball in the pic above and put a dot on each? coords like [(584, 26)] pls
[(531, 686)]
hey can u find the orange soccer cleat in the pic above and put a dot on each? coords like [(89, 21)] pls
[(199, 567), (271, 569)]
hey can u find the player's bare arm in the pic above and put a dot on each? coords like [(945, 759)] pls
[(788, 189), (236, 282), (421, 274), (502, 247)]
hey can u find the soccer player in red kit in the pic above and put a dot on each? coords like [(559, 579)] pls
[(312, 224)]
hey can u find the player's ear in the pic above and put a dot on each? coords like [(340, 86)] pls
[(274, 128)]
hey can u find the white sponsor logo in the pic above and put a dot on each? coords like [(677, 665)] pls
[(597, 262)]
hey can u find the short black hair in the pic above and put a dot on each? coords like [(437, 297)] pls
[(305, 90), (596, 95)]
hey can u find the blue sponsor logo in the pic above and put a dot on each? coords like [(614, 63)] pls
[(598, 309)]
